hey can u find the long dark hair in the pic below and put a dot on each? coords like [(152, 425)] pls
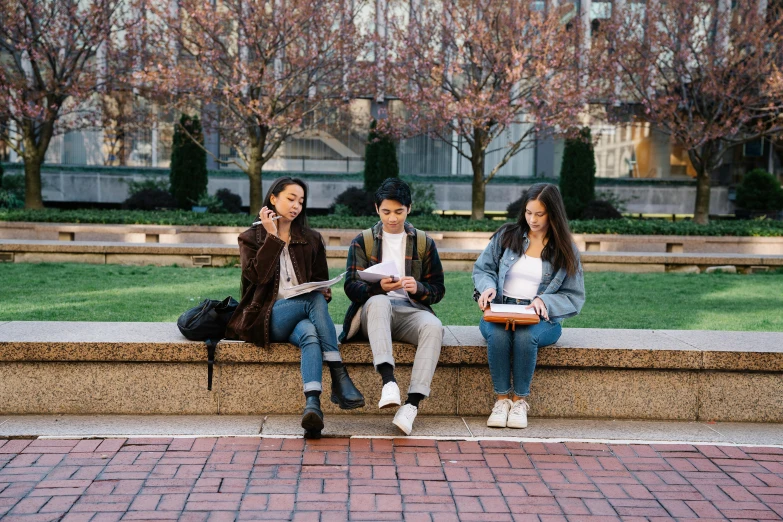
[(558, 249), (300, 222)]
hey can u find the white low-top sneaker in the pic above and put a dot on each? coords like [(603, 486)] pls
[(405, 417), (390, 395), (499, 415), (517, 417)]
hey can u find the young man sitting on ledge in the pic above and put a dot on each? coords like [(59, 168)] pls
[(396, 308)]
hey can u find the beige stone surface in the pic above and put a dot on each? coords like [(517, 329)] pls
[(104, 388), (592, 393), (277, 389), (749, 397), (635, 268), (59, 257)]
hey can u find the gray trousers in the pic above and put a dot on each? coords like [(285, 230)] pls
[(384, 319)]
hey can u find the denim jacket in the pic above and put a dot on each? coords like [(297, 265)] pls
[(563, 296)]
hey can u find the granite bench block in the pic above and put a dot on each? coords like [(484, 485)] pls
[(105, 388), (742, 397), (103, 352), (626, 394), (277, 389)]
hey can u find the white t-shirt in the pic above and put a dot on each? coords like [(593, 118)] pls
[(393, 249), (524, 278), (286, 272)]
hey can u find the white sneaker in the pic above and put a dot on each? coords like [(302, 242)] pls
[(499, 415), (517, 417), (390, 395), (405, 417)]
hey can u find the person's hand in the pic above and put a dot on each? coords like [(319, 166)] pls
[(266, 215), (390, 284), (409, 284), (540, 308), (486, 297), (327, 293)]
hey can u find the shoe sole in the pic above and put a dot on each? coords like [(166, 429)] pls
[(516, 426), (344, 405), (403, 429), (312, 422), (312, 434), (496, 425), (392, 404)]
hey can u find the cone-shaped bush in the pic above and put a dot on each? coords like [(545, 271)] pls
[(188, 174), (380, 160), (577, 175)]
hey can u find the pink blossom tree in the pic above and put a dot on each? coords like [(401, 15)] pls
[(475, 69), (706, 73), (52, 61), (262, 71)]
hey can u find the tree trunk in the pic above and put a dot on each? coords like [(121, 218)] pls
[(704, 164), (32, 180), (254, 173), (479, 195), (702, 212)]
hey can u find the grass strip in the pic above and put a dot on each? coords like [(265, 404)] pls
[(80, 292)]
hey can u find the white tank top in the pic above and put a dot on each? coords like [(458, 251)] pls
[(524, 278)]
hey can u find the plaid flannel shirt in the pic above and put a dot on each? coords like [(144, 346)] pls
[(428, 272)]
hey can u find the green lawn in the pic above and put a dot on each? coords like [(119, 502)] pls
[(77, 292)]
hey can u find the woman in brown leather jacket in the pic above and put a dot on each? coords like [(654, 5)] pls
[(280, 253)]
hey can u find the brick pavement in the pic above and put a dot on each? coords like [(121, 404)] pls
[(229, 479)]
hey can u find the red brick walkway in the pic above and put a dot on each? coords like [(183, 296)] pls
[(362, 479)]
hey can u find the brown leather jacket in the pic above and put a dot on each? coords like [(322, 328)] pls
[(260, 257)]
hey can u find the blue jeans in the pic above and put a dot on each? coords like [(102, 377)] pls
[(304, 322), (516, 351)]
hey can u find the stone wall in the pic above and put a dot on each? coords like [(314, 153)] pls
[(96, 186)]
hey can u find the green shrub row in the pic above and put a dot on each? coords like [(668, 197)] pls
[(758, 228)]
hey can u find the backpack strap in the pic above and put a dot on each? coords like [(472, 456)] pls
[(211, 345), (421, 243), (369, 242)]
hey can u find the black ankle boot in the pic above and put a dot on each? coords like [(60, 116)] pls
[(344, 393), (313, 417)]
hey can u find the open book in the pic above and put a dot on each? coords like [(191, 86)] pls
[(314, 285), (511, 309), (380, 271)]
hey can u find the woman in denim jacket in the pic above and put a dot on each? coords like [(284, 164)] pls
[(533, 262)]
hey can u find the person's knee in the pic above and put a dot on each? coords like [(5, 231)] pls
[(525, 338), (378, 303), (307, 334), (431, 330)]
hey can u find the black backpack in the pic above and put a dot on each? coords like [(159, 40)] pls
[(207, 322)]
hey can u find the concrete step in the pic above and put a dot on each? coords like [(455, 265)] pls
[(149, 368), (543, 429), (205, 254)]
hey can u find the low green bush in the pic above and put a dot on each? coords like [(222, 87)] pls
[(758, 227)]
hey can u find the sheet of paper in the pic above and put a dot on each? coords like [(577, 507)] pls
[(380, 271), (511, 309), (314, 285)]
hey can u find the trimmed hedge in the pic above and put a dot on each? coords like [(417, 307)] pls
[(757, 228)]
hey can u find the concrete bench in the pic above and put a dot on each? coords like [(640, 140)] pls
[(149, 368), (202, 254), (181, 234)]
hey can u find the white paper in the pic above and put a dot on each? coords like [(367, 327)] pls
[(380, 271), (512, 309), (309, 287)]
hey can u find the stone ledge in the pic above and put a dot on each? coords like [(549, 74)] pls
[(43, 341), (187, 254), (149, 368)]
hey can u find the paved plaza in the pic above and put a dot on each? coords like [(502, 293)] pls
[(254, 478)]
